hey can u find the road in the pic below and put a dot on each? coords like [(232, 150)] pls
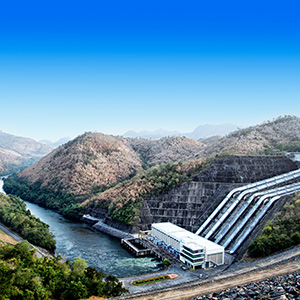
[(260, 270), (38, 252), (9, 232)]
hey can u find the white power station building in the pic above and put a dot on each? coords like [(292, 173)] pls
[(195, 251)]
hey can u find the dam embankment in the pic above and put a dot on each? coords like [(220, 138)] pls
[(189, 204)]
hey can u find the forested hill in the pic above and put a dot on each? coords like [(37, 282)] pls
[(115, 173), (94, 162), (13, 213), (19, 152), (24, 276)]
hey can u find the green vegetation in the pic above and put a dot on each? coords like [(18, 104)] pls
[(166, 262), (150, 280), (124, 201), (24, 276), (293, 146), (279, 234), (62, 202), (13, 214), (7, 167)]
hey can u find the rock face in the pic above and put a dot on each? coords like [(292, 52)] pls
[(189, 204)]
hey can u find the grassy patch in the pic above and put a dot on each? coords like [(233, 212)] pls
[(6, 238), (150, 280)]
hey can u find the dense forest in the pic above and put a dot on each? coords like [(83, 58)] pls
[(62, 202), (23, 276), (280, 233), (13, 213)]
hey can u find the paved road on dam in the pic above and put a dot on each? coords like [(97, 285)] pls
[(256, 271)]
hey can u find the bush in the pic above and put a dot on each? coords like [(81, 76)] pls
[(13, 213), (24, 276), (150, 280), (279, 234)]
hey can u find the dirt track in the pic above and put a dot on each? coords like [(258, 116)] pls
[(260, 271)]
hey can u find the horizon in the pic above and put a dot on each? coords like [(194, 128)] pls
[(69, 68)]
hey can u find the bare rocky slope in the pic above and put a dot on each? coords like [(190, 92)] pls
[(19, 152)]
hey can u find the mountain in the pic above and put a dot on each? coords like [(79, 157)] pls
[(54, 145), (94, 162), (166, 149), (209, 130), (114, 174), (265, 138), (201, 132), (19, 152), (154, 135)]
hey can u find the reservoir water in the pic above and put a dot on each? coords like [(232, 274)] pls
[(74, 239)]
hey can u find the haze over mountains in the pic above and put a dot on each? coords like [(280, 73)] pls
[(201, 132), (53, 145), (19, 152), (94, 162), (114, 174)]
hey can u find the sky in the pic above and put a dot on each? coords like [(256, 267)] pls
[(68, 67)]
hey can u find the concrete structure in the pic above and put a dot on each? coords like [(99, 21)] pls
[(195, 251), (294, 156)]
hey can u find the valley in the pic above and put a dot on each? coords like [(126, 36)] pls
[(129, 184)]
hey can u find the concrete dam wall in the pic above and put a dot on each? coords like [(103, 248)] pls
[(191, 203)]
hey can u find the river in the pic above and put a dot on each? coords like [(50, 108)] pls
[(74, 239)]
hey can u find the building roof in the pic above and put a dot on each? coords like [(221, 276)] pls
[(188, 238)]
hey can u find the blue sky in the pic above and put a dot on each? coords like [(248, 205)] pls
[(67, 67)]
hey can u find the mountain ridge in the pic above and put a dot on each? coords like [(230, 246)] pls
[(115, 173), (200, 132), (94, 162), (19, 152)]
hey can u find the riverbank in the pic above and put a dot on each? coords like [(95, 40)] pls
[(14, 238)]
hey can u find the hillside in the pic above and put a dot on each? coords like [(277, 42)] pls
[(88, 164), (164, 150), (93, 163), (14, 214), (115, 174), (259, 139), (18, 152)]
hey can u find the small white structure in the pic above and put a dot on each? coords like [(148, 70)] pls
[(195, 251), (294, 156)]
